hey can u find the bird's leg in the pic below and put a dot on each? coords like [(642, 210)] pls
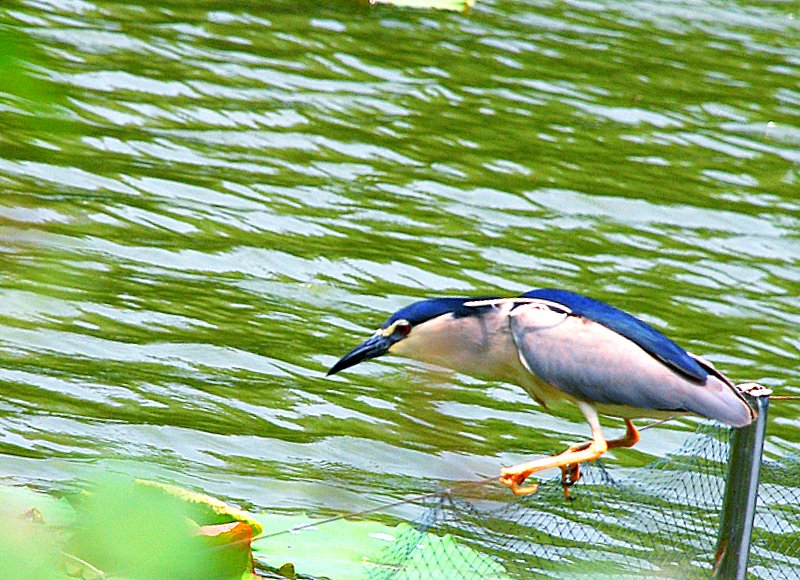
[(630, 438), (571, 473), (514, 476)]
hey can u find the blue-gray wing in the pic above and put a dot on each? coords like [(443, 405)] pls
[(591, 362), (644, 335)]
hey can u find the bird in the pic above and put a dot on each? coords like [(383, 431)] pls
[(561, 346)]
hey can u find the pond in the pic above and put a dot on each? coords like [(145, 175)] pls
[(205, 204)]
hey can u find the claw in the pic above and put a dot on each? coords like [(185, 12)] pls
[(569, 461), (754, 389), (570, 474), (514, 480)]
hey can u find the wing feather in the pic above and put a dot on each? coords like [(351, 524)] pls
[(645, 336)]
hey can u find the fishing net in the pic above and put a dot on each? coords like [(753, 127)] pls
[(660, 520)]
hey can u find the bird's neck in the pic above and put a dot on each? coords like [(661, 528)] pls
[(480, 345)]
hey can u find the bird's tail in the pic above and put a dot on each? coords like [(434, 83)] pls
[(732, 404), (726, 402)]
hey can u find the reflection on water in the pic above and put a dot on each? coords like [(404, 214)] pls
[(222, 198)]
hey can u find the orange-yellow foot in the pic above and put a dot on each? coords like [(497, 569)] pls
[(514, 479), (571, 473), (514, 476), (570, 459)]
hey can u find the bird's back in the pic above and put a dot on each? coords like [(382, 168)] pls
[(601, 355)]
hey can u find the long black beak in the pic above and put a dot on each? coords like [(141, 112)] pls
[(373, 347)]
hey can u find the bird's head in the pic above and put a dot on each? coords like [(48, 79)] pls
[(412, 330)]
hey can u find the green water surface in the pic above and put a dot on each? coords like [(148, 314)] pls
[(204, 204)]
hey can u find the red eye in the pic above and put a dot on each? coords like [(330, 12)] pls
[(403, 328)]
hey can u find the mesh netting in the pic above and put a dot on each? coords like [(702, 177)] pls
[(660, 520)]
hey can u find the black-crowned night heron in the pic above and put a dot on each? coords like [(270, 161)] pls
[(561, 346)]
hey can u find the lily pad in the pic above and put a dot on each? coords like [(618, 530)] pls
[(31, 533), (347, 550), (126, 528)]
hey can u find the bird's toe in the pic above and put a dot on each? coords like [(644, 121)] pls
[(514, 478)]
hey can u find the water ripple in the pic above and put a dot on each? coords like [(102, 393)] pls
[(218, 203)]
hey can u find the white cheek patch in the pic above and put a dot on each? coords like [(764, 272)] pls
[(431, 341)]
